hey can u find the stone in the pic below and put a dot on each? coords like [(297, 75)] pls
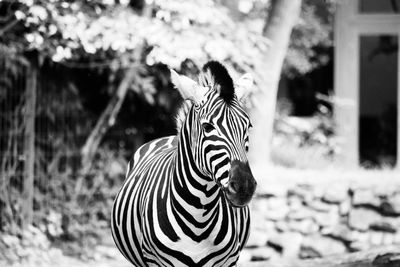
[(257, 221), (360, 236), (365, 197), (282, 226), (303, 191), (335, 194), (394, 202), (324, 246), (262, 254), (257, 239), (259, 204), (276, 214), (277, 209), (318, 192), (308, 253), (306, 227), (244, 258), (277, 202), (388, 239), (375, 238), (22, 252), (341, 232), (288, 243), (383, 226), (104, 251), (295, 202), (56, 253), (385, 190), (318, 205), (9, 240), (12, 257), (327, 219), (269, 191), (300, 214), (345, 207), (359, 246), (362, 218), (386, 208)]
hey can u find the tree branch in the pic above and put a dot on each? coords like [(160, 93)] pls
[(106, 120), (8, 26)]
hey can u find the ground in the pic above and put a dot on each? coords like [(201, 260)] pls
[(320, 213)]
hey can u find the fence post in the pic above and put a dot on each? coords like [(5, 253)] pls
[(29, 146)]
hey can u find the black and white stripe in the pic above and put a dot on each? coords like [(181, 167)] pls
[(172, 209)]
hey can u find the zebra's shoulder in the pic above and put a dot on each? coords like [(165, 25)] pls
[(149, 149), (162, 143)]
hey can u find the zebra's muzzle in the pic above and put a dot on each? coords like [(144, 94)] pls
[(241, 185)]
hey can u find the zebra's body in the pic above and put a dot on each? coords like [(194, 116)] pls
[(151, 162), (171, 210)]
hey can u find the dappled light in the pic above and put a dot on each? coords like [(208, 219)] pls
[(282, 111)]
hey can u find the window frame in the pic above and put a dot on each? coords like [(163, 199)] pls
[(350, 24)]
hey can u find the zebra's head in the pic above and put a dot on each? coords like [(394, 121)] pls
[(218, 129)]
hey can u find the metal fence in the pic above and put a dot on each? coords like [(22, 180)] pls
[(40, 132), (15, 139)]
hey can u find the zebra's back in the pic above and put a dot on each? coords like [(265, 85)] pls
[(146, 170)]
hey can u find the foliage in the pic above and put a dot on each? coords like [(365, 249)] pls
[(305, 142), (96, 36), (176, 31), (102, 34), (311, 37), (81, 50)]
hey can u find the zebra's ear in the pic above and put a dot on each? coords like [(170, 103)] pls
[(188, 88), (244, 86)]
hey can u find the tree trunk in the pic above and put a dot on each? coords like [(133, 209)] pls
[(106, 120), (278, 27)]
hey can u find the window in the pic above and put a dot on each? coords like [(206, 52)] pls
[(379, 6), (378, 99)]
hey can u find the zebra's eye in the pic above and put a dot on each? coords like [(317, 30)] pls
[(246, 145), (207, 127)]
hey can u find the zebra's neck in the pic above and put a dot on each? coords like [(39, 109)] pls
[(191, 183)]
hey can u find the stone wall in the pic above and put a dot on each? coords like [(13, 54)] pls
[(307, 221)]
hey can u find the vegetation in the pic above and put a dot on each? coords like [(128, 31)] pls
[(83, 52)]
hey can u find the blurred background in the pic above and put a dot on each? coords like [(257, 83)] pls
[(84, 83)]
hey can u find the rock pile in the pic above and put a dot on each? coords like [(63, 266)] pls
[(307, 221), (32, 248)]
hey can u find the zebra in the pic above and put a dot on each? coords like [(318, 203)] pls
[(184, 200)]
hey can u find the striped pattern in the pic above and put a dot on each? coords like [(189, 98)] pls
[(171, 210)]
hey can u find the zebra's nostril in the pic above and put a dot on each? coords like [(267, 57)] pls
[(233, 188)]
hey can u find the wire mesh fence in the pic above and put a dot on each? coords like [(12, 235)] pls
[(40, 135), (12, 131)]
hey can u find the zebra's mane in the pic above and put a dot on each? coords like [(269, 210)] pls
[(213, 75), (182, 113)]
